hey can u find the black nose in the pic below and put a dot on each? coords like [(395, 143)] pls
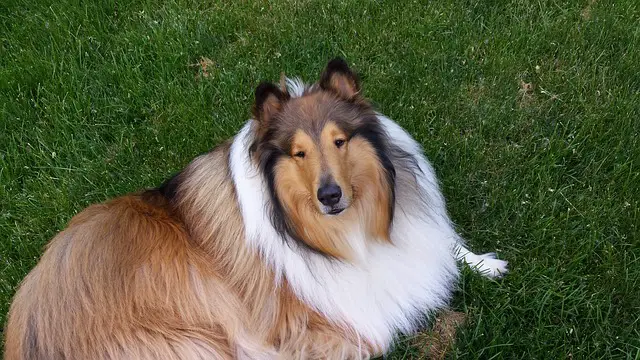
[(329, 194)]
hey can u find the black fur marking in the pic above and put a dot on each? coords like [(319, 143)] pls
[(169, 188), (407, 163), (336, 65), (406, 160), (263, 91)]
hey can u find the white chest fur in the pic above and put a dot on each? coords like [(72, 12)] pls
[(395, 285)]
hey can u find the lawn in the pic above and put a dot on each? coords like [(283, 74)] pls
[(529, 111)]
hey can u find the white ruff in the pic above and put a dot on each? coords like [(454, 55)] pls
[(395, 285), (388, 292)]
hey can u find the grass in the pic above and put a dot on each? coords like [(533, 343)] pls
[(528, 110)]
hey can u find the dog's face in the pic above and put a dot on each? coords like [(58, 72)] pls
[(322, 152), (315, 135), (319, 165)]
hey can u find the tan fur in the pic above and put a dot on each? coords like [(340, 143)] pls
[(137, 278), (370, 188), (123, 281)]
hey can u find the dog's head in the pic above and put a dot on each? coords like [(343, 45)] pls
[(324, 156)]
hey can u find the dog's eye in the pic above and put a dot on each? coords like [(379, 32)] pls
[(339, 143), (299, 154)]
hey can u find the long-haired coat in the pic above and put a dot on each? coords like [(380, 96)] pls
[(317, 232)]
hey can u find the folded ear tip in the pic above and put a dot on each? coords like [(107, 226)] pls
[(268, 101), (338, 64), (339, 78), (265, 88)]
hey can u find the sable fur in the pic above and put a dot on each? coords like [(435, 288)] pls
[(127, 279), (232, 258)]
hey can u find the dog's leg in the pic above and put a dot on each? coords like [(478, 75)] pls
[(486, 264)]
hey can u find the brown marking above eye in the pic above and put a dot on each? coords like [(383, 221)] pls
[(339, 143)]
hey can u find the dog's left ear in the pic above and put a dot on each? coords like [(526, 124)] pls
[(339, 78)]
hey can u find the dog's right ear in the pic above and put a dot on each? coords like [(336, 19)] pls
[(269, 100)]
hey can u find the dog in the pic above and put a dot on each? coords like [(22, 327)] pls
[(317, 232)]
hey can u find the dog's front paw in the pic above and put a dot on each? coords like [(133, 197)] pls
[(489, 266), (486, 264)]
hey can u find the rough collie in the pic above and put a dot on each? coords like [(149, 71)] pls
[(317, 232)]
